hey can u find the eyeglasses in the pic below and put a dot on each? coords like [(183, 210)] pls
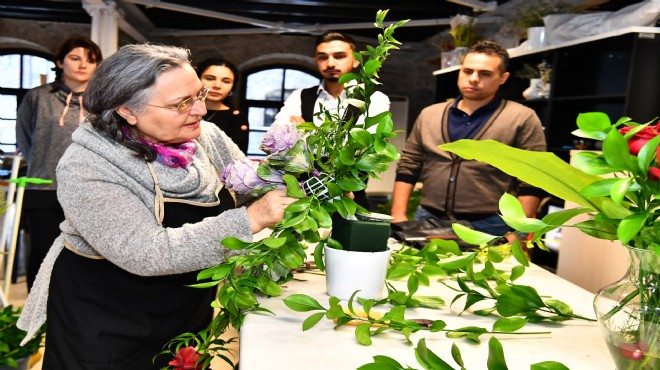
[(186, 105)]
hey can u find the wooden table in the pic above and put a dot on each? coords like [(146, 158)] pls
[(278, 342)]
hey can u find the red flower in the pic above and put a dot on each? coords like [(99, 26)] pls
[(638, 140), (186, 359)]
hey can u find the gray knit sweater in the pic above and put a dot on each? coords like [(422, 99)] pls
[(108, 199), (40, 138)]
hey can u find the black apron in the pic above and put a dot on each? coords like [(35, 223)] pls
[(103, 317)]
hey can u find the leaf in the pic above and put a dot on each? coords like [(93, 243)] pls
[(428, 359), (593, 121), (399, 270), (293, 187), (591, 163), (616, 152), (312, 320), (510, 206), (234, 243), (630, 226), (509, 325), (362, 136), (274, 242), (541, 169), (496, 359), (472, 236), (519, 254), (302, 303), (363, 334), (548, 365)]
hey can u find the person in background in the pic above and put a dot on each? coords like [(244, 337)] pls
[(219, 76), (145, 211), (45, 120), (458, 189), (333, 58)]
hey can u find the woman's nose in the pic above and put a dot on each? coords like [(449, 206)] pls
[(198, 108)]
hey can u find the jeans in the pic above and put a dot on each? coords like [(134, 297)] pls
[(493, 225)]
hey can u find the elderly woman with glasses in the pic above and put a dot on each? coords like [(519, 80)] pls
[(145, 211)]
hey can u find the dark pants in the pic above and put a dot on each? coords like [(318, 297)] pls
[(43, 224)]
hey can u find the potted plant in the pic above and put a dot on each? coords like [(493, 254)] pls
[(623, 206), (527, 17), (464, 35), (12, 354)]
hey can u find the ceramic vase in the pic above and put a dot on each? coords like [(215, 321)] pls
[(536, 37), (457, 55), (348, 271), (628, 312)]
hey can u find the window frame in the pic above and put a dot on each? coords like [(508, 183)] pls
[(245, 104), (20, 92)]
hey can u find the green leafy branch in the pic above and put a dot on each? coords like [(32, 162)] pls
[(430, 361), (444, 259), (393, 319)]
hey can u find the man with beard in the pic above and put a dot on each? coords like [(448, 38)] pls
[(457, 189), (333, 58)]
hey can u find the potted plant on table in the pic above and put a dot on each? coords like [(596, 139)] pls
[(527, 17), (12, 354), (623, 206)]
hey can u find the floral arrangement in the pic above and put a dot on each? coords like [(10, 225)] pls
[(328, 162), (463, 31), (622, 206)]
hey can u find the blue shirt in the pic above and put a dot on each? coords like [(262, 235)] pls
[(464, 126)]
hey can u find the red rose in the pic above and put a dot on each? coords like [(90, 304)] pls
[(186, 359), (638, 140)]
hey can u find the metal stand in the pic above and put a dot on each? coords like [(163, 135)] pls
[(9, 221), (12, 218)]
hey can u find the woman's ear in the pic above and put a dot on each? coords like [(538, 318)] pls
[(128, 115)]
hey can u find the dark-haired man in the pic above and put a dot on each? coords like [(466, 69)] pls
[(333, 58), (458, 189)]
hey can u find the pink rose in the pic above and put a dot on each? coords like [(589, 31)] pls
[(638, 140)]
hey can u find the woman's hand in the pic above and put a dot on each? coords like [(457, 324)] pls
[(268, 210)]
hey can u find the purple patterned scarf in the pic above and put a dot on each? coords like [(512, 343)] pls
[(177, 155)]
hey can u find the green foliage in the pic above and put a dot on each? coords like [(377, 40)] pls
[(430, 361), (624, 206), (11, 336), (371, 323)]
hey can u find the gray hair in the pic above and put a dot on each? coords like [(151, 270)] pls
[(127, 78)]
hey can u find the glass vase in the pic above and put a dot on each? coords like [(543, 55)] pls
[(628, 312)]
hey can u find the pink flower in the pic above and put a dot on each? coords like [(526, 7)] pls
[(642, 137), (279, 139), (242, 178), (186, 359)]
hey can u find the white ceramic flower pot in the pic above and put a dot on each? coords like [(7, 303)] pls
[(536, 37), (348, 271)]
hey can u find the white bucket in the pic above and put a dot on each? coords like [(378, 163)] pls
[(348, 271)]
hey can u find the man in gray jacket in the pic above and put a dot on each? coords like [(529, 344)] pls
[(458, 189)]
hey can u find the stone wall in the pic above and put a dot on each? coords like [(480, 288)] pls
[(408, 72)]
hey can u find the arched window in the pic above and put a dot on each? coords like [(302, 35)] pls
[(20, 70), (264, 94)]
